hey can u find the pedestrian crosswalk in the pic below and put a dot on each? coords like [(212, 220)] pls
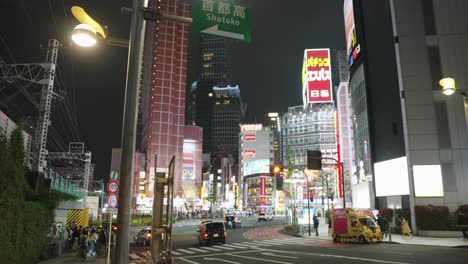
[(240, 246), (137, 257)]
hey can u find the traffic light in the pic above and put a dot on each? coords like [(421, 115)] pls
[(275, 169), (314, 160), (311, 196)]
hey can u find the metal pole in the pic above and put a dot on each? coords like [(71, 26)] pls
[(129, 131), (308, 199), (156, 246), (343, 184), (109, 240)]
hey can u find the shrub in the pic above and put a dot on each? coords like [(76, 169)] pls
[(430, 217)]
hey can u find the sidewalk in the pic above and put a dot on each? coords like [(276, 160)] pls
[(70, 257), (397, 239)]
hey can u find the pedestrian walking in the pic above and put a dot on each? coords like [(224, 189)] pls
[(329, 226), (316, 224), (382, 222), (405, 229)]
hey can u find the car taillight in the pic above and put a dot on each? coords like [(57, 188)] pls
[(206, 234), (115, 228)]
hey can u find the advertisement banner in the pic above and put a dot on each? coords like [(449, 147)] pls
[(353, 48), (250, 137), (317, 76), (187, 173)]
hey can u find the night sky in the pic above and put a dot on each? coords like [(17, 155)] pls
[(268, 70)]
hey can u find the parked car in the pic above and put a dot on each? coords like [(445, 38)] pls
[(144, 237), (211, 232), (232, 221)]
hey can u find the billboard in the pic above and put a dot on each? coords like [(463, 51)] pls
[(257, 166), (391, 177), (353, 48), (188, 161), (250, 137), (428, 181), (317, 76)]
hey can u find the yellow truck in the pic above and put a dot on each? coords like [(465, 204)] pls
[(354, 225)]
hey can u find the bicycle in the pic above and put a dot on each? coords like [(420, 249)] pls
[(83, 251)]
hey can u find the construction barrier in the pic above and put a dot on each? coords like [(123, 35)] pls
[(79, 217)]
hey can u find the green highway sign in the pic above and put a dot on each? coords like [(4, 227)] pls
[(220, 18)]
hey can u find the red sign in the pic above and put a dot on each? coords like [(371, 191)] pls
[(317, 76), (250, 137), (113, 186), (112, 200), (250, 152)]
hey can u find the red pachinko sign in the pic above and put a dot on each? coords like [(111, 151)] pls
[(317, 76), (250, 137)]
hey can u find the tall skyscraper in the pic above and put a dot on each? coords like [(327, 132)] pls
[(163, 91), (215, 71), (273, 121)]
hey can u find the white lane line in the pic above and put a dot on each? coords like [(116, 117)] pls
[(336, 256), (189, 261), (198, 249), (222, 247), (257, 244), (185, 251), (267, 260), (235, 246), (175, 252), (133, 256), (211, 249)]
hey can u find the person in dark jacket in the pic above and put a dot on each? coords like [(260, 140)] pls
[(316, 224)]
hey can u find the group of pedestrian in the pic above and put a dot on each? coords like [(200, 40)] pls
[(88, 240)]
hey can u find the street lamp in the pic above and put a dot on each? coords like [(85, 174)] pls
[(449, 88), (135, 47), (89, 32)]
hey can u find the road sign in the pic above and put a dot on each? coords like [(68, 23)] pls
[(112, 200), (113, 186), (223, 19), (114, 175), (112, 210)]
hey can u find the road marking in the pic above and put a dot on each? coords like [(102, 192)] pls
[(133, 256), (218, 254), (223, 260), (198, 250), (274, 255), (338, 256), (268, 260), (254, 244), (222, 247), (185, 251), (175, 252), (189, 261), (212, 249), (235, 246)]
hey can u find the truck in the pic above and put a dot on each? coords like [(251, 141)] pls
[(354, 225)]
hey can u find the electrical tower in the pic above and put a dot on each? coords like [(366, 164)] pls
[(43, 74)]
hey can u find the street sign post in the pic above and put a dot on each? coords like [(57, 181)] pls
[(222, 19), (114, 175), (112, 200), (113, 186)]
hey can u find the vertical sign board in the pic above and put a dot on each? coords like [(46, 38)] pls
[(221, 18), (317, 76)]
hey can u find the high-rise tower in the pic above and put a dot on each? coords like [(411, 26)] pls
[(163, 91)]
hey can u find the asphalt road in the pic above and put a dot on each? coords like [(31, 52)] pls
[(264, 243)]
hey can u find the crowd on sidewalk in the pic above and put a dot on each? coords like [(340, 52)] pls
[(88, 240)]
